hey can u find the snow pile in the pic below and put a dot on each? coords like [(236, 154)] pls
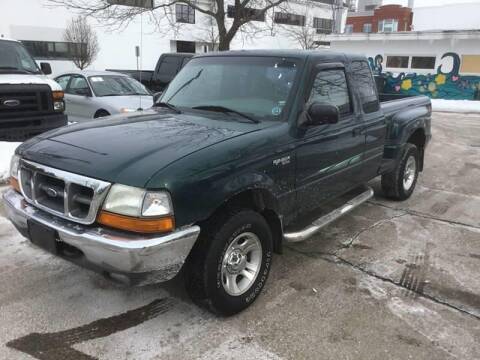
[(6, 151), (458, 106)]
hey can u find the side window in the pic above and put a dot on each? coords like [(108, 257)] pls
[(78, 86), (330, 86), (169, 68), (63, 81), (365, 85)]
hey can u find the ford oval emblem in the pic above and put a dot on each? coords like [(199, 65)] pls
[(51, 192), (11, 102)]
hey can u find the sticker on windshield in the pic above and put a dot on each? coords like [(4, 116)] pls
[(276, 110), (96, 79)]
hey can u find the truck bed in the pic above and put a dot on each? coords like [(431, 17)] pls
[(393, 103)]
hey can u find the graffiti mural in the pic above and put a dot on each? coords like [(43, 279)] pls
[(442, 85)]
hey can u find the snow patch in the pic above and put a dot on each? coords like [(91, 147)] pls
[(7, 149), (458, 106)]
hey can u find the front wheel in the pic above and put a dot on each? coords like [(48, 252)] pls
[(400, 183), (228, 267)]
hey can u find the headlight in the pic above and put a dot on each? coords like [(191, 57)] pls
[(135, 209), (58, 103), (14, 164), (124, 200), (127, 110), (59, 106)]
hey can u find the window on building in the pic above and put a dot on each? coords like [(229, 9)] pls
[(348, 29), (367, 28), (330, 86), (423, 62), (400, 62), (388, 25), (186, 46), (328, 2), (52, 50), (251, 13), (364, 83), (289, 19), (185, 14), (470, 64), (323, 26)]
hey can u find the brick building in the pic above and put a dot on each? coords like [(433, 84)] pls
[(388, 18)]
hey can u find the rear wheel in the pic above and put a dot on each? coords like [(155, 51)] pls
[(400, 183), (229, 265)]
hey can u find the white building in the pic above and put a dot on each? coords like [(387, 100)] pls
[(41, 26), (447, 17)]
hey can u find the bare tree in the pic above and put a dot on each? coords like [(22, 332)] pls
[(305, 36), (82, 35), (242, 13)]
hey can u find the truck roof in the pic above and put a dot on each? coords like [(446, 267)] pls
[(8, 39), (294, 53)]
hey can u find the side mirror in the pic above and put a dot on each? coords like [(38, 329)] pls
[(320, 114), (46, 68), (83, 92), (157, 96)]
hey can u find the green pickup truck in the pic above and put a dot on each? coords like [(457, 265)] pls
[(244, 151)]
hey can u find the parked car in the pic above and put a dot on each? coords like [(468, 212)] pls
[(245, 151), (95, 94), (168, 65), (30, 103)]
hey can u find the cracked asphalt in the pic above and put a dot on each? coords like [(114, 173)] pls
[(391, 280)]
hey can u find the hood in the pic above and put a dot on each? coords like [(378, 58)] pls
[(130, 102), (16, 79), (129, 149)]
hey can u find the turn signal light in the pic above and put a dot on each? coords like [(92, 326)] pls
[(57, 95), (14, 183), (138, 225)]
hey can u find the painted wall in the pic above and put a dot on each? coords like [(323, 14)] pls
[(442, 85)]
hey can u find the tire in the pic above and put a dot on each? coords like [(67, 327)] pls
[(101, 113), (400, 183), (217, 260)]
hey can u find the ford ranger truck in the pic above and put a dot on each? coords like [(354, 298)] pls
[(30, 103), (244, 151)]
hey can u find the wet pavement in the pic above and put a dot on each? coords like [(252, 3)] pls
[(391, 280)]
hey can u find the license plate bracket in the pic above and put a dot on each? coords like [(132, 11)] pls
[(43, 236)]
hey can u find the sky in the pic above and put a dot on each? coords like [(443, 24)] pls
[(421, 3)]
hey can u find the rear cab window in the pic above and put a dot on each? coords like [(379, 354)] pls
[(363, 82)]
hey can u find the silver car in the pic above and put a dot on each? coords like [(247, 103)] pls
[(95, 94)]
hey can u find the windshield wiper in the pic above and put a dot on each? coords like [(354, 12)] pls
[(226, 110), (168, 106)]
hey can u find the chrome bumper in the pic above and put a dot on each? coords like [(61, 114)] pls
[(140, 258)]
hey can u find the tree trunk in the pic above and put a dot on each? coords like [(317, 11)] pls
[(224, 44)]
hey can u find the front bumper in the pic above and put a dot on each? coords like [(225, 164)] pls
[(24, 128), (141, 259)]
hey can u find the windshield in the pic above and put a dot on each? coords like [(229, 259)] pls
[(116, 85), (15, 58), (257, 86)]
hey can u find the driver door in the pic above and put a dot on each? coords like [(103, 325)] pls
[(78, 99), (329, 155)]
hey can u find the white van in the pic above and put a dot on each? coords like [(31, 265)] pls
[(30, 102)]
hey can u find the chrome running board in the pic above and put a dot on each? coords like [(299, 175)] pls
[(328, 218)]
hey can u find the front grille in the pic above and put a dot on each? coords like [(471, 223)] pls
[(24, 100), (61, 193)]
